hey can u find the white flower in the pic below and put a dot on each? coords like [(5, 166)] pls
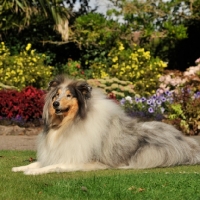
[(128, 98)]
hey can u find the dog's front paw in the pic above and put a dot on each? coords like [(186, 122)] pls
[(18, 169)]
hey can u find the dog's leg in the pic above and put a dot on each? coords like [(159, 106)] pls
[(26, 167), (66, 168), (87, 166), (45, 170)]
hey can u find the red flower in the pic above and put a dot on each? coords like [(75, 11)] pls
[(27, 104)]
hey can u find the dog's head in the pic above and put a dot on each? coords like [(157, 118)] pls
[(66, 99)]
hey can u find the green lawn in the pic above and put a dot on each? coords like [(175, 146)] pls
[(167, 183)]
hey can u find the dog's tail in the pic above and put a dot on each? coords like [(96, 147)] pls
[(166, 149)]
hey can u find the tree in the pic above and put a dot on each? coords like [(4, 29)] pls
[(156, 25), (18, 14), (31, 21)]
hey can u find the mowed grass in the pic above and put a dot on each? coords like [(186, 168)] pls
[(166, 183)]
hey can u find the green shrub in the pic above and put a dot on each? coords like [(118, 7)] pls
[(134, 65), (25, 69), (184, 111), (74, 69)]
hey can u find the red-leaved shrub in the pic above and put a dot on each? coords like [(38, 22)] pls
[(26, 105)]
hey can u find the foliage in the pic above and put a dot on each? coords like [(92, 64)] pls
[(74, 70), (184, 112), (158, 26), (154, 25), (23, 106), (34, 24), (113, 87), (25, 69), (95, 35), (134, 65), (16, 15)]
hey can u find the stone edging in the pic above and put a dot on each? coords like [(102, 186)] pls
[(16, 130)]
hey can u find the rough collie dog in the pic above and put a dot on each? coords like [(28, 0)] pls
[(83, 130)]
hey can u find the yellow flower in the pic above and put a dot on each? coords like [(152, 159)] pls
[(34, 59), (134, 57), (123, 69), (13, 72), (128, 67), (28, 46), (141, 50), (32, 52), (7, 73), (137, 74), (121, 47), (163, 64), (103, 74), (147, 55), (115, 66), (115, 59), (21, 72), (135, 67)]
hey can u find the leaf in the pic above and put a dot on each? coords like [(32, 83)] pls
[(83, 188), (141, 189)]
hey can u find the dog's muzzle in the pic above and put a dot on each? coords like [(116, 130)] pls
[(59, 111)]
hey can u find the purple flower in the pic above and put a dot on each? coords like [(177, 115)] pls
[(151, 110), (163, 99), (197, 95), (143, 99), (158, 102), (122, 101), (154, 96), (168, 93), (137, 100), (149, 101)]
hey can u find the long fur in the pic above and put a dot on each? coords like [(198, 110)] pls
[(87, 131)]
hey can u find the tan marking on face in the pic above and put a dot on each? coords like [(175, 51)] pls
[(68, 106)]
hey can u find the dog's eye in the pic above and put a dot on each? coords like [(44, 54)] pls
[(69, 95)]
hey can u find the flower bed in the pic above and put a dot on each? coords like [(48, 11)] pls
[(23, 108)]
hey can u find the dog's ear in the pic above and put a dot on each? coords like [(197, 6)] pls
[(53, 84), (56, 81), (85, 89)]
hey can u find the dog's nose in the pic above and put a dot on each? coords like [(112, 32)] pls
[(56, 104)]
